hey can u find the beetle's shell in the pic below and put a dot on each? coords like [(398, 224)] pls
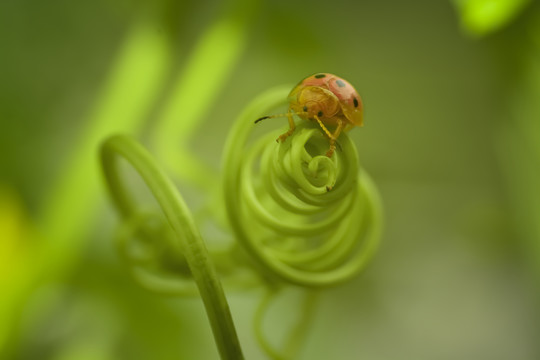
[(349, 100)]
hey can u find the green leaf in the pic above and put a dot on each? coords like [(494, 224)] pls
[(482, 17)]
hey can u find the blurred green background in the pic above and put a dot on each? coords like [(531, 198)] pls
[(451, 136)]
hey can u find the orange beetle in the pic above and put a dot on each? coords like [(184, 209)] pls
[(327, 99)]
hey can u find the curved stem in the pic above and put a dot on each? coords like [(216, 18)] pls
[(186, 233)]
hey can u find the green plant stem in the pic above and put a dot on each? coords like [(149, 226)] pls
[(129, 93), (186, 232), (196, 89)]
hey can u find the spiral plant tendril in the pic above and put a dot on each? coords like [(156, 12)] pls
[(309, 219), (304, 218)]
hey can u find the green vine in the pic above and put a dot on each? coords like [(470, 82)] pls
[(301, 217), (186, 240)]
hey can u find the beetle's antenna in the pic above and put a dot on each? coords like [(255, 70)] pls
[(270, 117), (279, 115)]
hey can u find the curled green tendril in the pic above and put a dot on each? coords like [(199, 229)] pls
[(291, 348), (146, 243), (309, 219), (183, 240)]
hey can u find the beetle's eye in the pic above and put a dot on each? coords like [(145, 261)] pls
[(320, 113), (305, 108)]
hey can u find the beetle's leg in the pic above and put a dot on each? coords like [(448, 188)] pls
[(289, 132), (333, 137), (328, 133)]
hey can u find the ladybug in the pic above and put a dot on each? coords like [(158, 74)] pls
[(327, 99)]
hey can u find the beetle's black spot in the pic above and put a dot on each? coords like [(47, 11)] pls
[(355, 101), (305, 108), (320, 113), (340, 83), (320, 76)]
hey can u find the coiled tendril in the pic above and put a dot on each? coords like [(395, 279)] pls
[(309, 219)]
